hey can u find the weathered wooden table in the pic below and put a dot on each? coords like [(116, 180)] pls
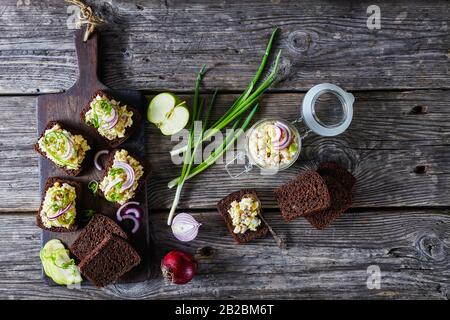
[(398, 145)]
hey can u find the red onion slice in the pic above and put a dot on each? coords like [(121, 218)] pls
[(185, 227), (111, 185), (129, 172), (119, 211), (69, 150), (111, 123), (135, 220), (60, 212), (277, 136), (97, 156), (111, 116), (286, 138)]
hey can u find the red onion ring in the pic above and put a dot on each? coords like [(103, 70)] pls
[(277, 133), (129, 172), (111, 116), (111, 184), (60, 212), (110, 124), (135, 220), (97, 155), (286, 136), (119, 211), (69, 152)]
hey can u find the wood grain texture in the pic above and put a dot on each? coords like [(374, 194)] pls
[(411, 247), (399, 154), (156, 45)]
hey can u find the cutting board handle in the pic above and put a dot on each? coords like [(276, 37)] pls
[(87, 55)]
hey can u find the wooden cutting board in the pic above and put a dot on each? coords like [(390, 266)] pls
[(66, 107)]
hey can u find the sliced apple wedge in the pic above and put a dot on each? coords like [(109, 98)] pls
[(168, 112)]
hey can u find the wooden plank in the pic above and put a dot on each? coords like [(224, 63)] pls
[(410, 247), (161, 44), (398, 152)]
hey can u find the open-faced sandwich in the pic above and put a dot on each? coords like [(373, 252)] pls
[(64, 148), (58, 210), (113, 121), (124, 174), (241, 211)]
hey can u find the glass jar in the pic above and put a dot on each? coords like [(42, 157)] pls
[(267, 149)]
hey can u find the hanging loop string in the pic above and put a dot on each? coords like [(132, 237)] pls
[(87, 17)]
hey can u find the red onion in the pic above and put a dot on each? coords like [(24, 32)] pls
[(286, 136), (128, 170), (178, 267), (277, 136), (111, 116), (60, 212), (111, 123), (97, 155), (111, 185), (136, 222), (136, 210), (185, 227), (69, 151)]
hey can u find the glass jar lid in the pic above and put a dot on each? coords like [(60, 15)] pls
[(312, 115)]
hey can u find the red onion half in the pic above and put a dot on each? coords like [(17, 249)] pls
[(178, 267), (185, 227), (97, 156), (111, 121)]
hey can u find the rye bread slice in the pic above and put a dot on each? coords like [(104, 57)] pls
[(50, 182), (136, 117), (337, 172), (341, 200), (111, 259), (223, 206), (110, 161), (303, 196), (70, 172), (98, 228)]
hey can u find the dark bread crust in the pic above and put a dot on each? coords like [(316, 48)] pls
[(341, 200), (303, 196), (111, 259), (109, 163), (223, 206), (136, 117), (337, 172), (64, 126), (50, 182), (93, 233)]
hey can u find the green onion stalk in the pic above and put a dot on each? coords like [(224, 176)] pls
[(248, 99)]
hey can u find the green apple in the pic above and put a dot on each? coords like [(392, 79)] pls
[(168, 112)]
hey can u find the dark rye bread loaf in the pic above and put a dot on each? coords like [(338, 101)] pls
[(223, 206), (70, 172), (341, 200), (98, 228), (136, 117), (50, 182), (303, 196), (110, 161), (337, 172), (111, 259)]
